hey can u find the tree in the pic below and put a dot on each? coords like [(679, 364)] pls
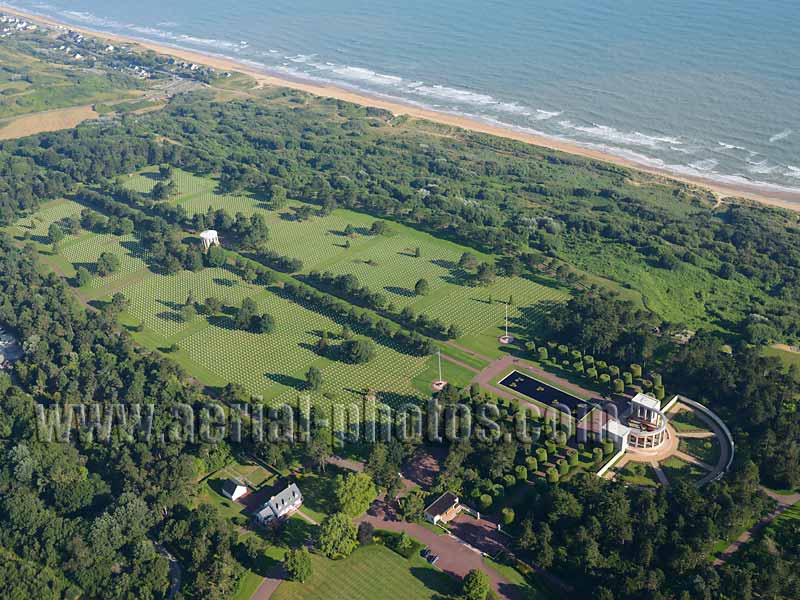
[(188, 312), (298, 564), (82, 276), (54, 233), (358, 351), (417, 252), (314, 379), (107, 263), (278, 197), (245, 314), (262, 323), (485, 274), (476, 585), (215, 256), (337, 536), (378, 228), (365, 532), (467, 262), (354, 493), (212, 305), (422, 287)]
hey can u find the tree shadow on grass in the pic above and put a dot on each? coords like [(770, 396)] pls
[(438, 581), (319, 490), (222, 321), (224, 282), (168, 315), (287, 380), (400, 291), (170, 304)]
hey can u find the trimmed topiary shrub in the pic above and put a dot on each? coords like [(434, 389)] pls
[(532, 464), (563, 467), (578, 366), (597, 455), (521, 473), (636, 370), (659, 392), (608, 448), (485, 501), (572, 457), (605, 378), (613, 370), (627, 378), (575, 354), (619, 386), (561, 439), (592, 372), (509, 480), (541, 456), (552, 475), (656, 377), (551, 447), (563, 350), (543, 354), (601, 366), (588, 359), (647, 384), (508, 515)]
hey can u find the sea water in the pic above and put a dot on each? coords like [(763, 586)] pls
[(707, 88)]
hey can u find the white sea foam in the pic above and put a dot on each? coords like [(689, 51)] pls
[(762, 167), (544, 115), (780, 136), (704, 165), (635, 138)]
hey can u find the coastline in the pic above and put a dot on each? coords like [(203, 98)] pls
[(786, 200)]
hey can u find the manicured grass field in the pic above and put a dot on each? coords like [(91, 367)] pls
[(371, 573), (638, 474), (706, 449), (384, 263), (680, 470), (687, 420)]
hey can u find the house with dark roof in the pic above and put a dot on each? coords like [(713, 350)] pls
[(281, 505), (234, 489), (443, 509)]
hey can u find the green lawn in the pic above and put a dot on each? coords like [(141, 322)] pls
[(706, 449), (319, 498), (522, 587), (638, 474), (680, 470), (687, 420), (371, 573), (787, 358)]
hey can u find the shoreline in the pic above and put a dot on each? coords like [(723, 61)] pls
[(786, 200)]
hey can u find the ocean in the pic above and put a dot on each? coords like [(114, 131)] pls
[(706, 88)]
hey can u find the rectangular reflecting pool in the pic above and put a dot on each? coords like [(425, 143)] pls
[(542, 392)]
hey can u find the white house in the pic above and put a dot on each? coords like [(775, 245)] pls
[(234, 489), (443, 509), (281, 505)]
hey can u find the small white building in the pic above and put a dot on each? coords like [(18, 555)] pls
[(443, 509), (210, 238), (617, 433), (234, 489), (280, 506)]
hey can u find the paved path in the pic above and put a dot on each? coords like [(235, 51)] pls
[(696, 434), (274, 578), (750, 533), (662, 477)]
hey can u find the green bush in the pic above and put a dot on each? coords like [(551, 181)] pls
[(591, 372), (605, 378), (563, 350), (647, 384), (575, 354), (509, 480), (551, 447), (543, 354), (636, 370), (508, 515), (485, 501), (563, 467), (588, 359), (521, 473), (608, 448), (561, 439), (532, 463), (578, 366), (601, 366), (656, 377), (597, 455), (572, 457), (613, 370), (541, 456), (619, 386), (552, 475), (659, 392), (627, 378)]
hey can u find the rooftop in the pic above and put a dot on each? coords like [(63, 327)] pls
[(442, 504)]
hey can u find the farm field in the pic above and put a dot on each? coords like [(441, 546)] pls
[(371, 573)]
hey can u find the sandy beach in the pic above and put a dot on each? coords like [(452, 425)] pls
[(786, 200)]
